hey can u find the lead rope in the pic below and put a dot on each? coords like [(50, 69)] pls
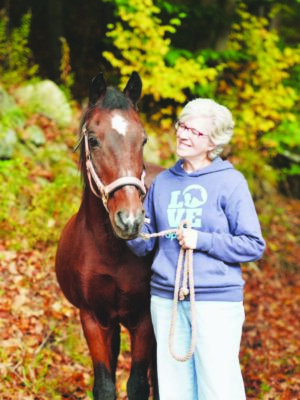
[(185, 262)]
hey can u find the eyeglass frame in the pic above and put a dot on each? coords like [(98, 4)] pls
[(181, 125)]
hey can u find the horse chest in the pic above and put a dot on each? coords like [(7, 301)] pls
[(116, 297), (114, 279)]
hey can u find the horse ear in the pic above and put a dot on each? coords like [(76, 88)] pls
[(133, 89), (97, 89)]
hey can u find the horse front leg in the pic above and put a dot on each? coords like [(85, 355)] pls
[(142, 348), (104, 346)]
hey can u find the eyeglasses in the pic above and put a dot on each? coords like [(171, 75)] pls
[(181, 125)]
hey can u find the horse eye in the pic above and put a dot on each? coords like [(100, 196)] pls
[(145, 141), (93, 142)]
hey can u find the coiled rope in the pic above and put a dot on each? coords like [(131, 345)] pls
[(185, 263)]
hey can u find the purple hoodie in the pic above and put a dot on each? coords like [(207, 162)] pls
[(217, 202)]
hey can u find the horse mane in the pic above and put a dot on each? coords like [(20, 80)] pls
[(114, 99)]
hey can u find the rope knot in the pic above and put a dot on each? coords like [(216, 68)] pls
[(183, 292)]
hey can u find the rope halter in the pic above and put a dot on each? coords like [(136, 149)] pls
[(106, 190)]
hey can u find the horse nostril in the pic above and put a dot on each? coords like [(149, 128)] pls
[(129, 223)]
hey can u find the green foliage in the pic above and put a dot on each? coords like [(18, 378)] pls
[(40, 186), (255, 85), (35, 208), (66, 76), (13, 118), (261, 177), (143, 44), (170, 76), (256, 77), (14, 181), (15, 54), (285, 140), (255, 89)]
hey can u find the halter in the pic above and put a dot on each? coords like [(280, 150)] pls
[(105, 191)]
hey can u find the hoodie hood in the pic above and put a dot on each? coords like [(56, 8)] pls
[(217, 165)]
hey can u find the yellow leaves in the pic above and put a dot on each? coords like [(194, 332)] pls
[(166, 123), (269, 143), (145, 47), (260, 97), (254, 86), (291, 57), (266, 125)]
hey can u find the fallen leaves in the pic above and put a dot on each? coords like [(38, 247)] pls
[(43, 354), (270, 352), (270, 347)]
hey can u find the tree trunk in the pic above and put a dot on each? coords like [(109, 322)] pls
[(55, 31), (228, 8)]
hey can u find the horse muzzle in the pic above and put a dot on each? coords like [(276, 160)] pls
[(127, 224)]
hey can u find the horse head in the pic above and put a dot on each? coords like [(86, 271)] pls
[(112, 140)]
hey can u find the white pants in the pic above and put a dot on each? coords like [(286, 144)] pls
[(213, 373)]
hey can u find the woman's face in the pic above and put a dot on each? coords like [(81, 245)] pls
[(192, 138)]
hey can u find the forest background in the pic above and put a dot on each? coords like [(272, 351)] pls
[(245, 55)]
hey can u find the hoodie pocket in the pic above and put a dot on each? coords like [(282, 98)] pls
[(221, 267), (209, 271)]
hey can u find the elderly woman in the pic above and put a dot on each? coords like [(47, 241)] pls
[(214, 198)]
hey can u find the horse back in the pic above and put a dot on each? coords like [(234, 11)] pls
[(151, 171)]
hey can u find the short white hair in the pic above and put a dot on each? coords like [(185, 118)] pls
[(220, 117)]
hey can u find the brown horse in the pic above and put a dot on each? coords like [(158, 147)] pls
[(96, 271)]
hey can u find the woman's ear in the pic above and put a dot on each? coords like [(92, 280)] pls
[(211, 146)]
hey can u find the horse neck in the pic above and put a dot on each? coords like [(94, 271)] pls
[(96, 216)]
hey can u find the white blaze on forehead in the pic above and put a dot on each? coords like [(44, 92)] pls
[(119, 124)]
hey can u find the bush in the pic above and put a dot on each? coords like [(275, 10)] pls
[(16, 61)]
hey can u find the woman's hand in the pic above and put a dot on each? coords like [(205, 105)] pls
[(187, 238)]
